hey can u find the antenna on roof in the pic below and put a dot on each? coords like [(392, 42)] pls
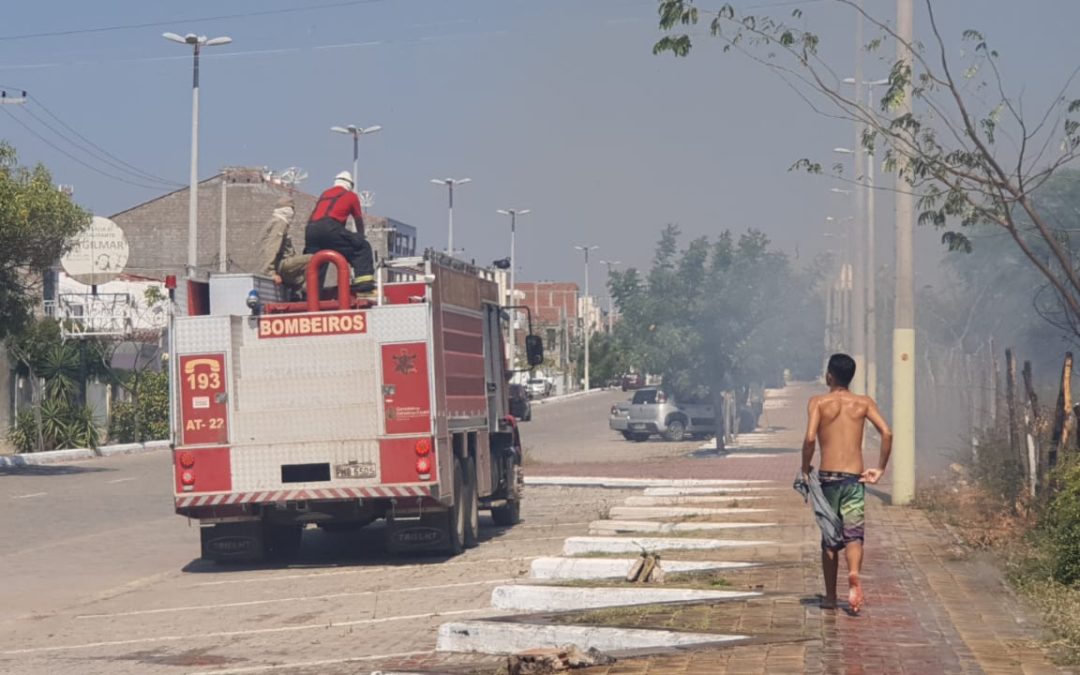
[(292, 176)]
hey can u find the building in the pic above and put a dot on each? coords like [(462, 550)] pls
[(240, 201), (554, 309)]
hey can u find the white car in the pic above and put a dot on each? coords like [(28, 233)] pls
[(538, 387)]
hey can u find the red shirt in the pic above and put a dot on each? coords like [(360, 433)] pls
[(338, 203)]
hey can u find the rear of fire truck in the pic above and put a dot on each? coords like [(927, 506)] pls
[(334, 414)]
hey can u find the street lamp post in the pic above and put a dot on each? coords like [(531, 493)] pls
[(450, 183), (197, 42), (513, 213), (857, 316), (610, 302), (356, 132), (870, 276), (587, 323)]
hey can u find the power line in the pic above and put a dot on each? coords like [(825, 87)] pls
[(73, 158), (220, 17), (116, 162)]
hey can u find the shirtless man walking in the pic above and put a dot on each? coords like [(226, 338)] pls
[(836, 421)]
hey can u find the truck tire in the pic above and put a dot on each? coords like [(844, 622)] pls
[(456, 516), (676, 430), (509, 514), (627, 435), (472, 504)]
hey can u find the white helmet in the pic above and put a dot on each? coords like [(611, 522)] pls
[(344, 179)]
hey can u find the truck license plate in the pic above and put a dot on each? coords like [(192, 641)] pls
[(354, 470), (637, 426)]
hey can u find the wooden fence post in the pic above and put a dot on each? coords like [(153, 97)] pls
[(995, 387), (1060, 432), (1016, 455), (1032, 423)]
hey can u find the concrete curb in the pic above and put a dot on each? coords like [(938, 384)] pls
[(599, 544), (615, 568), (523, 598), (491, 637), (564, 397), (77, 454)]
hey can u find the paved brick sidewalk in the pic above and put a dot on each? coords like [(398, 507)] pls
[(930, 606)]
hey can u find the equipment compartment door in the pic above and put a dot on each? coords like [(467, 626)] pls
[(406, 394), (204, 401)]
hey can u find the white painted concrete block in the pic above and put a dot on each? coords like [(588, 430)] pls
[(607, 527), (615, 568), (589, 481), (645, 512), (586, 545), (491, 637), (692, 500), (707, 490), (523, 598)]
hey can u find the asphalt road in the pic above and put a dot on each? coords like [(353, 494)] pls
[(98, 574), (575, 430)]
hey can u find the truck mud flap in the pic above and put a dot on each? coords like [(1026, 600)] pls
[(429, 533), (233, 542)]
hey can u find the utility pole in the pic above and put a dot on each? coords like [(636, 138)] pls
[(903, 385), (858, 262), (197, 42), (610, 301), (450, 183), (587, 324), (356, 132), (513, 213)]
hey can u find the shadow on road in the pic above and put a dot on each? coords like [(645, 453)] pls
[(50, 470), (365, 547)]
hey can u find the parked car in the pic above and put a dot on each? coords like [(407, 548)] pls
[(519, 403), (538, 387), (653, 412), (633, 381), (619, 419)]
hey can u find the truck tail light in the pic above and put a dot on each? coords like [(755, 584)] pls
[(661, 397), (423, 466), (614, 410), (187, 478), (423, 447), (187, 459)]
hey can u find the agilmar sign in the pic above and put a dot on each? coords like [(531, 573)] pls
[(97, 254), (311, 326)]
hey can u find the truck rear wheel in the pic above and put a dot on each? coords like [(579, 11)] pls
[(472, 504), (509, 513), (456, 516)]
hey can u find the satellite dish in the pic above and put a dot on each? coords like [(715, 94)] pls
[(98, 254)]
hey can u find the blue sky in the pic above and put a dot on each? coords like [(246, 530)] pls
[(557, 105)]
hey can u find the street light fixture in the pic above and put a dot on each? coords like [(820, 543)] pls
[(587, 324), (513, 213), (450, 183), (356, 132), (197, 42)]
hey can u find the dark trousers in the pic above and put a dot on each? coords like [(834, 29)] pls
[(330, 234)]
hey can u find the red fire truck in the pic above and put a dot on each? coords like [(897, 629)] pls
[(335, 413)]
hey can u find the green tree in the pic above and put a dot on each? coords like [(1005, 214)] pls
[(969, 152), (719, 315), (57, 372), (37, 222)]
